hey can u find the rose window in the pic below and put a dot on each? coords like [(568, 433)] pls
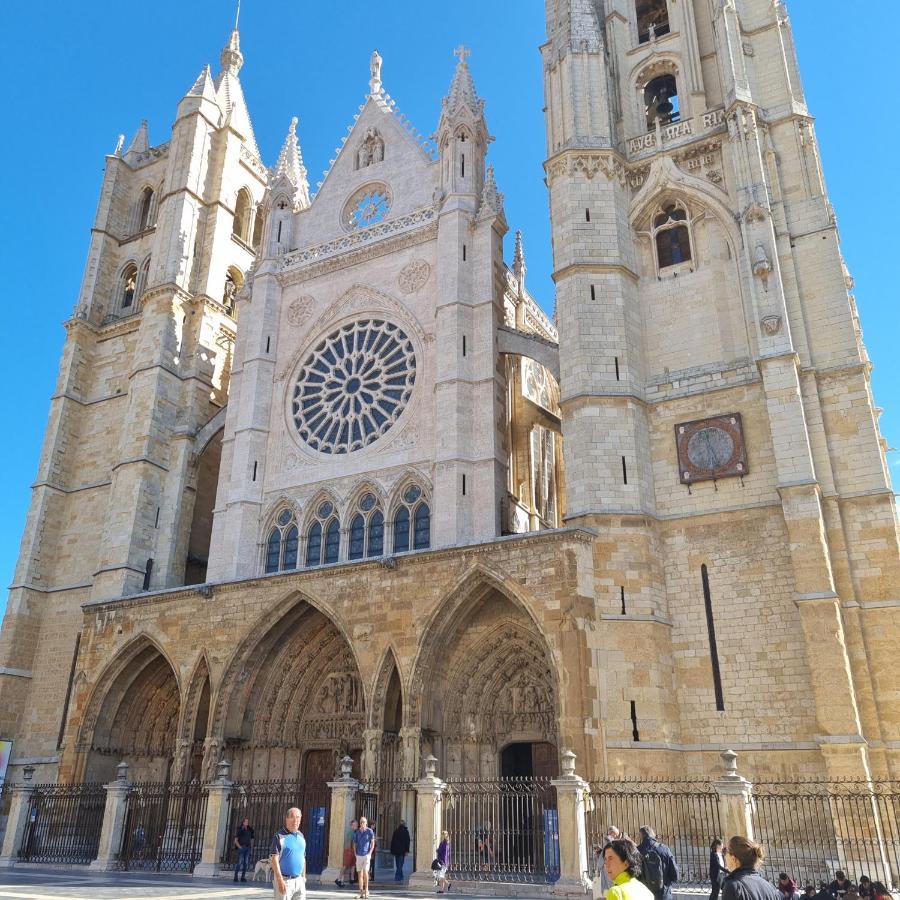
[(368, 206), (354, 386)]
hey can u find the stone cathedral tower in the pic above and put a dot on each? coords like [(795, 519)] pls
[(718, 424), (321, 479)]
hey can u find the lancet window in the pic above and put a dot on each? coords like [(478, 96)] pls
[(412, 521), (367, 529), (671, 236), (323, 538), (661, 101), (652, 19), (282, 543)]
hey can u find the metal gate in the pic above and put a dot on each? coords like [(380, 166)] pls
[(503, 829), (385, 803), (684, 814), (64, 824), (265, 803), (811, 829), (164, 827)]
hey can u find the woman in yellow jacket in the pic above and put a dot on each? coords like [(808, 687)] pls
[(623, 866)]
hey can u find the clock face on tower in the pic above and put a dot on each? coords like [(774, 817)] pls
[(711, 448)]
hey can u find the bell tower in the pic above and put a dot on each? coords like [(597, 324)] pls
[(709, 349)]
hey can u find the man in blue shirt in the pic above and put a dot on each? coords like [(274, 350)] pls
[(364, 845), (288, 858)]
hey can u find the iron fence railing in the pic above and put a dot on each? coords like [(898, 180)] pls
[(265, 804), (5, 804), (163, 826), (385, 802), (812, 829), (64, 824), (684, 814), (502, 829)]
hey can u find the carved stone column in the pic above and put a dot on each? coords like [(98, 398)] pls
[(429, 799), (113, 829), (343, 809), (573, 855), (216, 827)]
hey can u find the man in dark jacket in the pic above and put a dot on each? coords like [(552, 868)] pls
[(399, 848), (660, 871), (840, 885)]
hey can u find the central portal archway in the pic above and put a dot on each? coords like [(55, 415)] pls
[(292, 702)]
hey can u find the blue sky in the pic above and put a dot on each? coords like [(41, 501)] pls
[(79, 74)]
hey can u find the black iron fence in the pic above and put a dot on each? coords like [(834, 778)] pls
[(5, 804), (812, 829), (265, 804), (503, 829), (64, 824), (164, 827), (385, 803), (684, 814)]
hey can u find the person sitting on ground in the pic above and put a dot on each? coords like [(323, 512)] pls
[(787, 887), (880, 892), (659, 870), (840, 885), (809, 892), (622, 864), (865, 887), (823, 892), (743, 857)]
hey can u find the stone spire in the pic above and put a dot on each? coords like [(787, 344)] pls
[(519, 267), (290, 165), (463, 95), (491, 203), (140, 143), (202, 91), (232, 59)]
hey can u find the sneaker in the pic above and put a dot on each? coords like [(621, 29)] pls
[(244, 878), (338, 882)]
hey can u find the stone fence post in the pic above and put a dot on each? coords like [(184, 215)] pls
[(19, 812), (429, 800), (343, 809), (735, 799), (218, 795), (573, 853), (113, 829)]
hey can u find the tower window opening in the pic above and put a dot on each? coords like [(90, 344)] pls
[(587, 215), (464, 484), (624, 471), (129, 286), (156, 523), (255, 465), (622, 598), (618, 378), (652, 19), (593, 293), (148, 573), (279, 232), (661, 101), (258, 223), (145, 211), (462, 165), (268, 343), (635, 734), (464, 252), (241, 227), (464, 345), (671, 236)]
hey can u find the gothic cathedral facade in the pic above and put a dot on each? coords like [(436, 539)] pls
[(320, 478)]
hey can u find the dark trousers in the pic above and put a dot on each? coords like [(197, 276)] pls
[(716, 887), (243, 860), (398, 859)]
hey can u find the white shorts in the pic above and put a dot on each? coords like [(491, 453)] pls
[(295, 889), (362, 862)]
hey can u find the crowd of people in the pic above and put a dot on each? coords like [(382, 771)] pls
[(648, 871)]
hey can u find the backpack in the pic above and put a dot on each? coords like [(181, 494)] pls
[(652, 871)]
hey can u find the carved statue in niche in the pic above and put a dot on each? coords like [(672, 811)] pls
[(371, 150), (230, 292)]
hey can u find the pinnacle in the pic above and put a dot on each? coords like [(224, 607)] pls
[(462, 90), (198, 88), (519, 257), (290, 162), (232, 59)]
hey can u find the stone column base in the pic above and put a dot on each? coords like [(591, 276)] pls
[(206, 870), (421, 881), (103, 865), (572, 887), (329, 875)]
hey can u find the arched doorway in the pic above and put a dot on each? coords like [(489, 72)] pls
[(292, 702), (490, 685), (135, 718)]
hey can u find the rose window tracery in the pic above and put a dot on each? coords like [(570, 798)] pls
[(368, 206), (354, 386)]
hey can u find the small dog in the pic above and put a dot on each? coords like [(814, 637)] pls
[(262, 871)]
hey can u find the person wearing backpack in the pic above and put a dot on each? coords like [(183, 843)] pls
[(659, 871)]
